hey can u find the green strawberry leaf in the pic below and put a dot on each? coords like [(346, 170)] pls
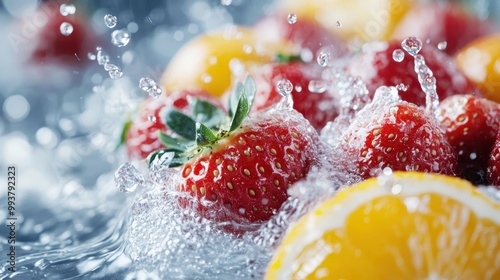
[(163, 158), (250, 90), (171, 142), (207, 113), (242, 110), (282, 58), (204, 135), (180, 123), (123, 135), (234, 98)]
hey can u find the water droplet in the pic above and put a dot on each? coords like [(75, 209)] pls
[(110, 67), (402, 87), (412, 45), (292, 18), (110, 20), (226, 2), (298, 88), (442, 45), (91, 56), (115, 74), (324, 57), (339, 24), (152, 118), (473, 156), (411, 204), (387, 171), (398, 55), (102, 57), (128, 178), (317, 86), (149, 85), (120, 38), (66, 28), (386, 94), (396, 189), (241, 210), (284, 87), (67, 9)]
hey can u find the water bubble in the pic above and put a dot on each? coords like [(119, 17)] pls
[(442, 45), (292, 18), (317, 86), (66, 28), (324, 57), (339, 24), (102, 57), (402, 87), (398, 55), (128, 178), (412, 45), (120, 38), (396, 189), (152, 118), (226, 2), (67, 9), (298, 88), (387, 171), (91, 56), (110, 20), (284, 87)]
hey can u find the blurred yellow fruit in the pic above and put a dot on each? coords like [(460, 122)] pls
[(403, 226), (480, 61), (210, 61), (358, 21)]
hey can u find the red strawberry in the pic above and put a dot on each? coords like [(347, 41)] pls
[(493, 171), (471, 125), (303, 34), (376, 67), (141, 135), (245, 167), (317, 108), (399, 135), (444, 22)]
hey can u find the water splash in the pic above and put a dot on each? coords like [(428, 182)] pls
[(284, 88), (398, 55), (128, 178), (317, 86), (324, 56), (412, 45), (149, 86)]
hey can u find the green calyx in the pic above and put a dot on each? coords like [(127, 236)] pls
[(205, 127), (282, 58)]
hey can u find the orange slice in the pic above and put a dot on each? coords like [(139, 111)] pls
[(403, 226)]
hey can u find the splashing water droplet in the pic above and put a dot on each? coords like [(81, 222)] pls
[(412, 45), (116, 73), (226, 2), (128, 178), (442, 45), (67, 9), (152, 118), (317, 86), (298, 88), (110, 20), (324, 57), (339, 24), (386, 94), (398, 55), (66, 28), (102, 57), (396, 189), (402, 87), (427, 83), (110, 67), (120, 38), (292, 18), (284, 87), (149, 85)]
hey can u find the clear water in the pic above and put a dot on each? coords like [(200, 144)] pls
[(59, 127)]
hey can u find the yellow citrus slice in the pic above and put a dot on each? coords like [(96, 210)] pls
[(358, 20), (480, 61), (407, 225), (210, 61)]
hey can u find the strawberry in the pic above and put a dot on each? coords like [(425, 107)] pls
[(376, 67), (141, 134), (398, 135), (317, 108), (471, 125), (244, 166), (444, 22), (493, 171)]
